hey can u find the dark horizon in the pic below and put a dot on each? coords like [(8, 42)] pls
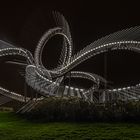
[(23, 23)]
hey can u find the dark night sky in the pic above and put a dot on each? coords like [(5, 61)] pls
[(23, 23)]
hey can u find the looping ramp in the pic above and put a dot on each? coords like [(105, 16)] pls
[(51, 82)]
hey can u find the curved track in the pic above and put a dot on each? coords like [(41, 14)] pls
[(51, 82)]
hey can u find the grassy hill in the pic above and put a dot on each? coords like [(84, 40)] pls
[(13, 127)]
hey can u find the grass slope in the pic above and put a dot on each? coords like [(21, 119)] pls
[(15, 128)]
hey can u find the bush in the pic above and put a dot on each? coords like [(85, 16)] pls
[(75, 109)]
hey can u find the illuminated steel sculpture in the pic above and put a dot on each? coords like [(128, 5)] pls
[(49, 82)]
